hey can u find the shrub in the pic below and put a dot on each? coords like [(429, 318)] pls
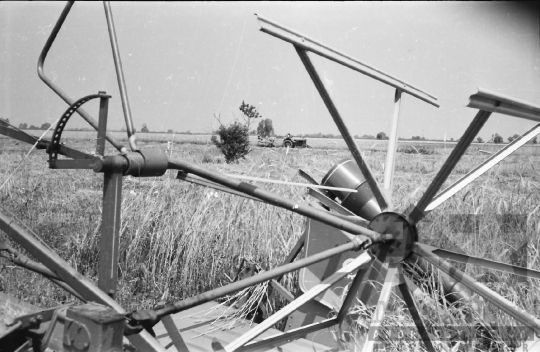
[(233, 141), (497, 139)]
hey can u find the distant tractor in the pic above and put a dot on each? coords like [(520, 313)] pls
[(289, 142), (266, 142)]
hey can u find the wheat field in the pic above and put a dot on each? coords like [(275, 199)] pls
[(179, 239)]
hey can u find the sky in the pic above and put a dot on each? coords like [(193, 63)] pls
[(187, 62)]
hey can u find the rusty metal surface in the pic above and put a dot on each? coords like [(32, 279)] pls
[(306, 43), (503, 104)]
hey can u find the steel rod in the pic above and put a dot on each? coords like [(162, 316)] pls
[(120, 76), (279, 201), (56, 89), (483, 167), (340, 209), (306, 43), (174, 334), (502, 303), (184, 176), (43, 143), (70, 276), (351, 294), (411, 305), (311, 180), (392, 149), (362, 259), (257, 179), (485, 263), (340, 123), (109, 240), (242, 284), (378, 316), (503, 104), (417, 212)]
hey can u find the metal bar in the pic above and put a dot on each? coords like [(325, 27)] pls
[(242, 284), (349, 140), (282, 290), (257, 179), (351, 295), (79, 164), (290, 335), (64, 271), (362, 259), (485, 263), (120, 76), (102, 126), (417, 318), (174, 334), (483, 167), (279, 201), (43, 144), (502, 303), (503, 104), (306, 43), (330, 203), (311, 180), (392, 149), (378, 316), (56, 89), (110, 231), (23, 261), (418, 212), (184, 176)]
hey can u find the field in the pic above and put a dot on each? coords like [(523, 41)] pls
[(179, 239)]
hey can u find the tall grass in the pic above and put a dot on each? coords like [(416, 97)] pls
[(178, 239)]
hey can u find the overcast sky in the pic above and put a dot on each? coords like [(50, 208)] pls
[(185, 62)]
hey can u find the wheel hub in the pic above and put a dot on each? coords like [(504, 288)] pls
[(405, 234)]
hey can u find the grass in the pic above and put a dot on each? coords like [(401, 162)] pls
[(178, 239)]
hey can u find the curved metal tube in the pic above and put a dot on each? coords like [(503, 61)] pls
[(56, 89), (120, 76)]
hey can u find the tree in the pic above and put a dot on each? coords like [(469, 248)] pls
[(45, 126), (233, 140), (381, 135), (5, 120), (170, 131), (497, 138), (265, 128), (144, 128), (535, 140), (480, 140), (23, 126), (249, 112)]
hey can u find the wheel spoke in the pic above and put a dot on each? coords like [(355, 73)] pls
[(351, 144), (391, 153), (333, 279), (390, 281), (483, 168), (485, 263), (502, 303), (417, 212), (418, 321)]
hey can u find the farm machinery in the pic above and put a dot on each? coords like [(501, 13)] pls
[(290, 142), (351, 238)]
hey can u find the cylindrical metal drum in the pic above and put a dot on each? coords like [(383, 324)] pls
[(347, 174)]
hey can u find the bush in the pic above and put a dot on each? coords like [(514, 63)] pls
[(233, 141)]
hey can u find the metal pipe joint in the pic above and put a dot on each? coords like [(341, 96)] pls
[(142, 163)]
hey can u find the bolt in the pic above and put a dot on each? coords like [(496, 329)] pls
[(39, 318), (398, 243), (85, 345), (32, 321), (391, 250)]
